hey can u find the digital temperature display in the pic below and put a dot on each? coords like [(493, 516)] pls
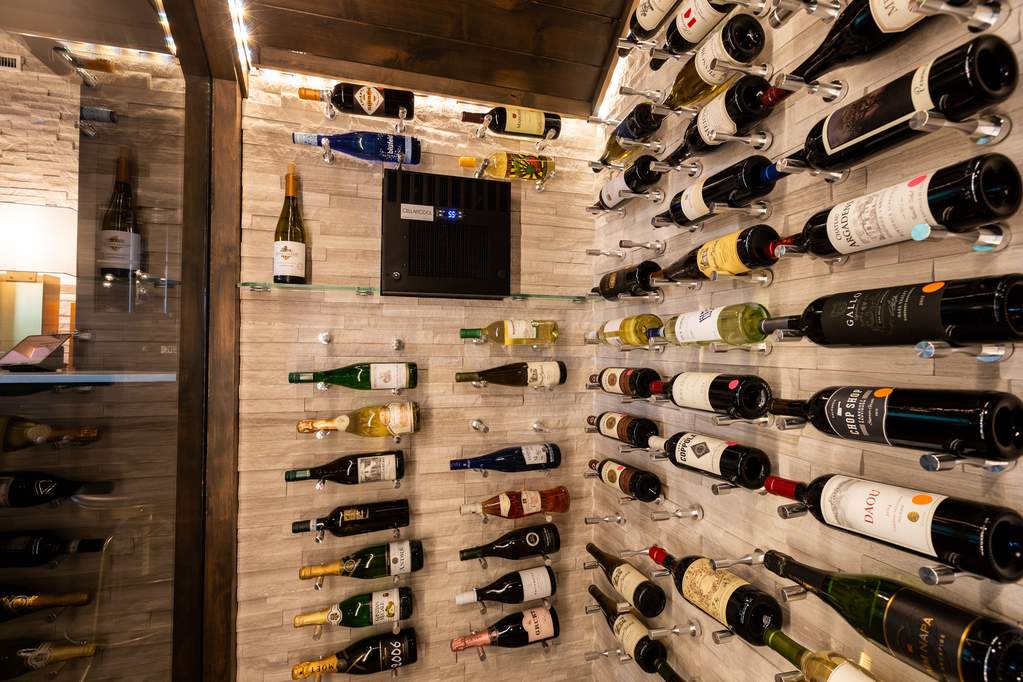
[(449, 214)]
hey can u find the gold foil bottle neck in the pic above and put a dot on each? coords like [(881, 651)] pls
[(291, 182)]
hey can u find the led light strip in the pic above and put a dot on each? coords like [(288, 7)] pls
[(167, 37), (241, 32)]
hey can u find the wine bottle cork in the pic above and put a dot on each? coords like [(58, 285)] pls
[(310, 572), (306, 669), (312, 618), (310, 94)]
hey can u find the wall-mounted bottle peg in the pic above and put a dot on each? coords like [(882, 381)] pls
[(978, 16), (620, 607), (654, 196), (481, 169), (656, 246), (789, 676), (824, 10), (983, 352), (754, 558), (692, 628), (401, 126), (660, 573), (617, 518), (759, 140), (763, 277), (829, 91), (541, 184), (624, 449), (479, 425), (724, 420), (595, 209), (325, 338), (629, 553), (653, 400), (318, 583), (687, 112), (602, 121), (655, 95), (789, 423), (546, 141), (940, 574), (722, 636), (328, 153), (481, 131), (983, 239), (539, 427), (762, 70), (86, 128), (792, 511), (761, 348), (691, 285), (636, 44), (397, 344), (610, 253), (79, 66), (692, 512), (482, 383), (652, 146), (617, 654), (591, 429), (662, 54), (722, 488), (946, 461), (983, 129), (791, 593), (793, 166)]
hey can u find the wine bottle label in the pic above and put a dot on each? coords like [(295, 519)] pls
[(848, 672), (884, 108), (714, 116), (536, 583), (504, 500), (713, 48), (901, 516), (393, 653), (400, 555), (927, 633), (378, 468), (289, 259), (541, 374), (721, 256), (609, 193), (384, 607), (889, 316), (859, 413), (538, 624), (695, 19), (536, 454), (531, 503), (334, 615), (626, 579), (524, 121), (608, 424), (354, 514), (700, 452), (5, 490), (612, 332), (369, 99), (119, 249), (395, 145), (399, 417), (894, 16), (710, 590), (701, 325), (894, 214), (693, 205), (306, 138), (388, 375), (519, 329), (611, 473), (629, 631), (612, 379), (650, 12), (692, 389)]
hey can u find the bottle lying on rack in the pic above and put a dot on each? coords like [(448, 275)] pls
[(356, 519), (640, 124), (957, 198), (518, 121), (120, 243), (532, 374), (363, 610), (520, 543), (31, 488), (23, 656), (633, 382), (816, 666), (16, 602), (739, 396), (641, 485), (962, 311), (631, 281), (693, 21), (734, 112), (25, 549), (626, 331), (363, 376), (373, 654), (641, 175), (515, 332), (373, 147), (930, 634), (375, 561), (649, 654), (969, 536), (365, 100), (514, 588), (364, 467), (736, 186), (732, 254), (512, 166), (741, 465), (18, 433), (289, 236), (641, 592), (958, 84), (376, 421), (737, 325), (646, 21), (726, 597), (516, 504), (634, 431), (514, 459), (514, 630)]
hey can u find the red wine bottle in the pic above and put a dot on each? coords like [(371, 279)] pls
[(631, 633), (732, 254), (631, 281), (642, 485), (635, 382), (644, 595), (365, 100), (355, 519), (734, 112), (635, 431), (641, 175), (520, 543), (25, 549), (31, 488), (739, 464), (514, 459), (514, 631), (514, 588), (739, 396), (364, 467), (693, 22), (969, 536), (518, 121), (646, 20)]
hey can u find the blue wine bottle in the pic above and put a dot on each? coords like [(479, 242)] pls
[(519, 458), (382, 147)]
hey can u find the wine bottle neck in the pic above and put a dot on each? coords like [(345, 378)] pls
[(475, 641), (789, 408), (470, 333), (462, 377), (813, 579), (783, 487), (458, 464), (791, 650), (472, 553), (667, 673)]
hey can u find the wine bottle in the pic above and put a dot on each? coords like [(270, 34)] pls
[(740, 396), (362, 610), (518, 121), (625, 331), (642, 593), (364, 467), (376, 561), (739, 464), (520, 543), (969, 536), (635, 382), (634, 431), (364, 376), (511, 166), (982, 309), (373, 147), (22, 656), (533, 374), (930, 634), (18, 433), (517, 504), (289, 237), (641, 123), (646, 20), (636, 483), (370, 655), (120, 250), (737, 324), (377, 421), (816, 666), (733, 254), (726, 597), (739, 41), (356, 519), (641, 175), (515, 332), (514, 630), (365, 100), (736, 186), (957, 198), (630, 281), (734, 112), (631, 633), (514, 459), (958, 84), (693, 21), (514, 588), (15, 602), (25, 549), (31, 488)]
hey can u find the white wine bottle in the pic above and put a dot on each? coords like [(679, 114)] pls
[(375, 421), (515, 332), (627, 331), (120, 242), (289, 237), (736, 324)]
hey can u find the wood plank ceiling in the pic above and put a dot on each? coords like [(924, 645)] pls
[(548, 54)]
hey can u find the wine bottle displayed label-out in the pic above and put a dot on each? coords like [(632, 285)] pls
[(518, 544), (363, 376), (364, 657), (376, 561), (892, 315), (710, 590), (289, 236), (120, 244), (355, 469), (698, 451)]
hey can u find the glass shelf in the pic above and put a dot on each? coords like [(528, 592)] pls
[(372, 291), (86, 377)]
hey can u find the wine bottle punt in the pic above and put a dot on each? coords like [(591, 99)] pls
[(23, 656), (641, 592), (367, 467), (289, 236), (517, 504), (534, 457), (520, 543), (518, 121), (736, 186), (18, 433), (640, 176), (634, 280), (546, 374), (693, 21), (636, 382), (31, 488), (514, 630), (377, 421), (641, 485), (120, 244), (356, 519), (516, 587), (364, 376), (733, 254), (362, 610), (638, 125), (375, 561), (373, 654), (734, 112), (630, 632), (515, 332), (740, 396), (365, 100), (367, 146), (26, 549), (725, 459), (16, 602), (634, 431), (737, 324), (816, 666), (626, 331)]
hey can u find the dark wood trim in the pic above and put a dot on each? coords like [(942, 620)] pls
[(612, 56), (184, 24), (221, 46)]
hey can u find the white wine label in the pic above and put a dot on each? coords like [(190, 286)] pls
[(693, 205), (400, 417), (609, 193), (650, 12), (504, 501), (400, 556), (531, 503), (519, 329), (611, 379), (306, 138), (697, 18), (608, 423), (859, 413), (538, 624), (701, 325), (119, 249), (692, 389), (629, 631), (700, 452), (5, 490), (901, 516), (334, 615), (710, 590), (536, 583), (378, 468), (536, 454), (894, 16), (540, 374), (713, 48), (611, 473), (289, 259), (848, 672), (612, 332), (714, 116), (524, 121), (625, 579), (385, 607), (369, 99), (894, 214), (388, 375)]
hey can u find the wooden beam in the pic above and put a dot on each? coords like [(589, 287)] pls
[(221, 45), (611, 58)]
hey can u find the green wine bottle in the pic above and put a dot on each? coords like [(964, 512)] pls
[(120, 242), (364, 376), (363, 610), (533, 374), (375, 561), (289, 237)]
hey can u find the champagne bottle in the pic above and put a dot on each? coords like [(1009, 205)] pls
[(958, 84), (982, 309), (364, 467), (816, 666), (739, 464), (364, 100), (355, 519), (289, 237), (733, 254), (31, 488), (520, 543), (518, 121), (734, 112), (120, 251), (25, 549), (377, 421), (370, 655), (640, 124), (736, 186), (642, 593), (363, 610), (646, 20), (635, 382), (642, 485), (22, 656), (511, 166), (631, 633), (626, 331), (642, 174), (736, 324), (373, 147), (18, 433), (533, 374), (969, 536), (957, 198), (634, 431), (376, 561), (514, 459), (517, 504), (726, 597), (16, 602), (740, 396), (693, 21), (979, 424), (514, 630), (515, 332), (930, 634), (514, 588), (631, 281), (364, 376)]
